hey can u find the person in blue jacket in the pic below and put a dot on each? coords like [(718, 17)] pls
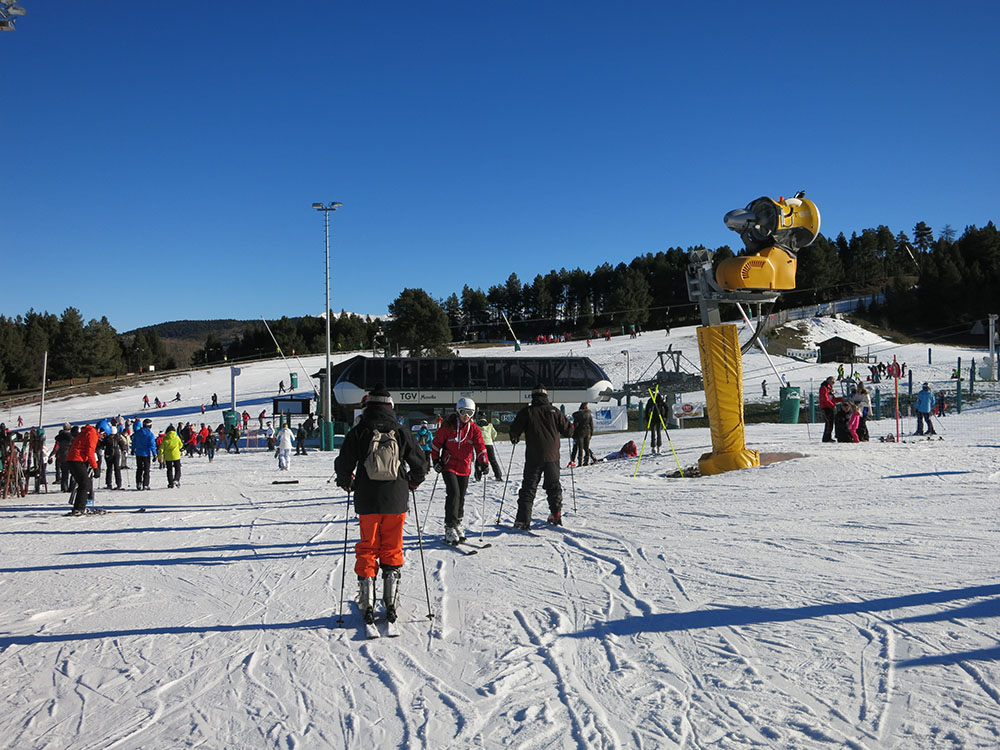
[(925, 401), (144, 447)]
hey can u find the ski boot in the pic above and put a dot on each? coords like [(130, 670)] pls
[(460, 530), (522, 525), (390, 591), (451, 535), (366, 599), (555, 518)]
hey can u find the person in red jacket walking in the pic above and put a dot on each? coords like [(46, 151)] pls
[(82, 463), (457, 443), (828, 405)]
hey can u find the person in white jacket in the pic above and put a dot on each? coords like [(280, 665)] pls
[(284, 439)]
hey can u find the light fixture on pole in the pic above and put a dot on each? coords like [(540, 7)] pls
[(327, 443)]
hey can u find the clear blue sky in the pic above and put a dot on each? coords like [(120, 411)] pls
[(160, 160)]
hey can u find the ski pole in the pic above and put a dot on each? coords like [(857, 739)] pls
[(343, 573), (506, 479), (482, 519), (429, 501), (573, 480), (423, 566)]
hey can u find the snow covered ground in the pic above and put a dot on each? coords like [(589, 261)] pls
[(847, 598)]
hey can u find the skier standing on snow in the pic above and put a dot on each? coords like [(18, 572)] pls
[(425, 439), (542, 424), (82, 463), (284, 437), (828, 405), (583, 429), (656, 410), (114, 449), (925, 401), (170, 454), (489, 436), (60, 449), (378, 445), (457, 443), (144, 448)]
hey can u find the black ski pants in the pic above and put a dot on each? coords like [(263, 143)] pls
[(548, 473), (828, 414), (84, 476), (454, 498), (173, 472), (491, 452), (655, 433), (142, 472), (114, 466), (581, 453)]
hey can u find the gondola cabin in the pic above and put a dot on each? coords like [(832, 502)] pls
[(489, 381)]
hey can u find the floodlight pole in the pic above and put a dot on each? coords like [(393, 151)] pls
[(628, 377), (327, 440)]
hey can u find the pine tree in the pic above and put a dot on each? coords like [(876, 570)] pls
[(419, 323)]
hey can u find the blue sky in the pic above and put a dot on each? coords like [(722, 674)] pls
[(161, 160)]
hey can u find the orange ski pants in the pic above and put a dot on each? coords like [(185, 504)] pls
[(381, 541)]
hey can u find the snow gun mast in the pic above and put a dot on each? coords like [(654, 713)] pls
[(773, 232)]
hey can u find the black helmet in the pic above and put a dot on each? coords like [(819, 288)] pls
[(147, 422)]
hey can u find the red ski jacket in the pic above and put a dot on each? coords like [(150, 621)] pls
[(460, 444), (826, 398), (83, 446)]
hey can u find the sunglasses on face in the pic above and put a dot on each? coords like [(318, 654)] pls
[(466, 412)]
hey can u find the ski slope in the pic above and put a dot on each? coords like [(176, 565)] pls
[(846, 598)]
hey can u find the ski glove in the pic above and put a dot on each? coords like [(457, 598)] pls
[(482, 470), (513, 440), (439, 465), (346, 483)]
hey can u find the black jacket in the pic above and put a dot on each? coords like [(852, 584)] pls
[(541, 424), (372, 496), (583, 423)]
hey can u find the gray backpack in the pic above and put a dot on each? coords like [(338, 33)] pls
[(382, 462)]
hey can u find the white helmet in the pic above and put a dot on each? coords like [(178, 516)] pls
[(466, 403)]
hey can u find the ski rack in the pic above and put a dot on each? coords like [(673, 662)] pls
[(703, 289)]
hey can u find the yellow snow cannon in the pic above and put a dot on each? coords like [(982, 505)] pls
[(773, 232)]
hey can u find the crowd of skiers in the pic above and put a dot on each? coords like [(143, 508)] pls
[(846, 418)]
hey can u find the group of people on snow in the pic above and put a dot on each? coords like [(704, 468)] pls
[(382, 462)]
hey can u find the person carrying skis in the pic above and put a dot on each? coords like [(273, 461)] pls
[(144, 448), (542, 424), (82, 463), (380, 462), (583, 430), (457, 443), (489, 436), (925, 401)]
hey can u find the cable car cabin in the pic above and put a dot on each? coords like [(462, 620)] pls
[(487, 380)]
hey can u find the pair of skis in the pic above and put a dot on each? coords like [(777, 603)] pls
[(372, 630), (461, 545)]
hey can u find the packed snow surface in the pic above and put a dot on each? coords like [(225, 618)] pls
[(846, 598)]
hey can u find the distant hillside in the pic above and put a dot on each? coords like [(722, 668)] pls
[(198, 330)]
